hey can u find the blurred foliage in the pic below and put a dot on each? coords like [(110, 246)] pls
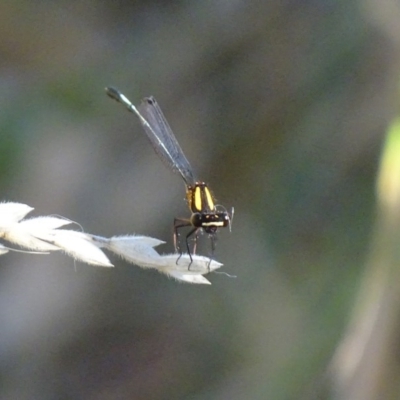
[(280, 106)]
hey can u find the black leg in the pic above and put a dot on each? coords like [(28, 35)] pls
[(196, 236), (193, 231), (213, 238), (179, 223)]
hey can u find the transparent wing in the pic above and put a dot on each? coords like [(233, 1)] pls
[(163, 140)]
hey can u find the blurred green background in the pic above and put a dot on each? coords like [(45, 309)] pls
[(281, 106)]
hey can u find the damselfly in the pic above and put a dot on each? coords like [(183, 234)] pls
[(206, 215)]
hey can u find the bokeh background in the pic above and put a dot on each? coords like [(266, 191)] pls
[(282, 107)]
